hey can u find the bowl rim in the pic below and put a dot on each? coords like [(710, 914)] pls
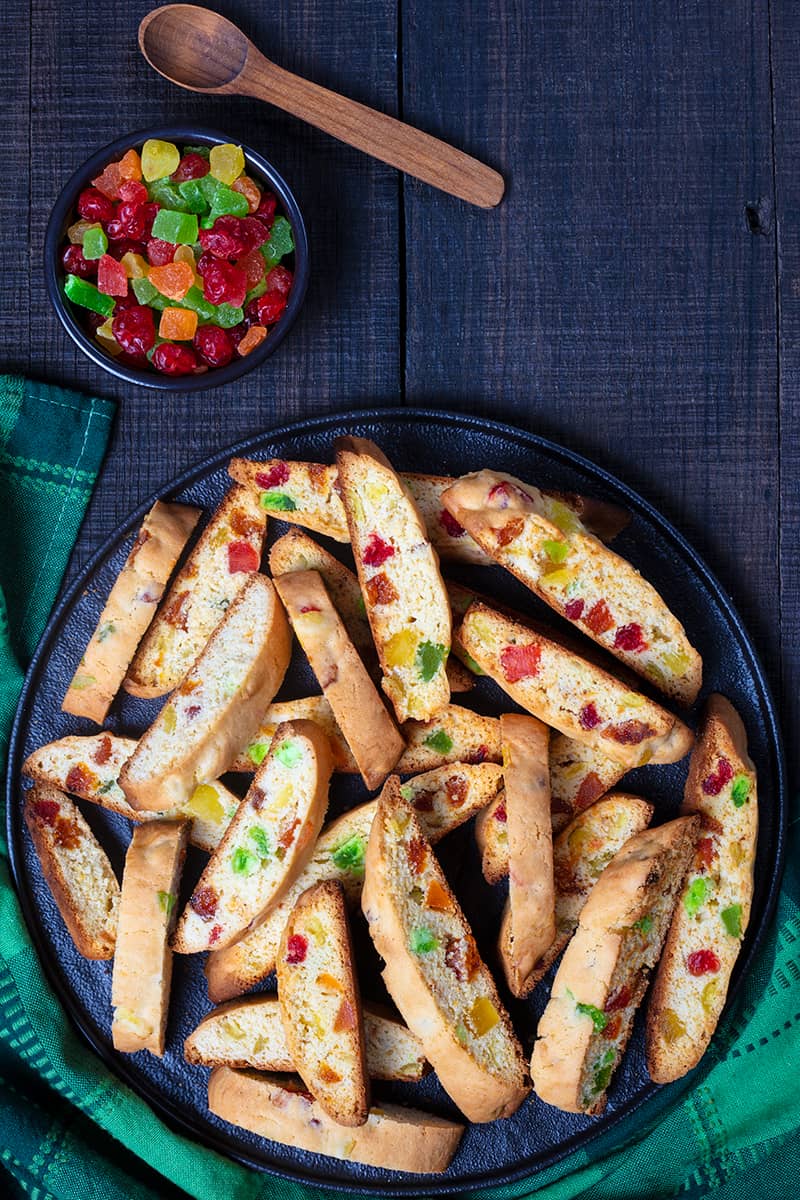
[(59, 218)]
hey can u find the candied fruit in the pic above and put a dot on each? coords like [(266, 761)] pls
[(159, 158), (520, 662), (178, 324), (226, 162), (254, 337), (172, 280), (174, 360)]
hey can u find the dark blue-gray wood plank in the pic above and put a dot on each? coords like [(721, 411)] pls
[(617, 301), (785, 43), (90, 85)]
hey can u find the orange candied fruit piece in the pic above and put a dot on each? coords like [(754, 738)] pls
[(108, 182), (130, 165), (254, 337), (177, 324), (172, 280), (250, 191), (437, 898)]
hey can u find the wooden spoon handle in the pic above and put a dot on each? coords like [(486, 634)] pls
[(383, 137)]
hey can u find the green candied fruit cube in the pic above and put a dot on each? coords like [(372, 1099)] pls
[(165, 192), (289, 754), (422, 941), (277, 502), (261, 841), (597, 1016), (556, 551), (229, 315), (349, 855), (167, 901), (196, 301), (697, 893), (202, 151), (257, 752), (740, 790), (193, 196), (180, 228), (95, 242), (225, 203), (81, 292), (440, 741), (732, 920), (430, 657), (144, 290), (279, 243), (208, 186), (243, 862)]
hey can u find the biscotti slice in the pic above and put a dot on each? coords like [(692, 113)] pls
[(713, 909), (140, 984), (398, 570), (321, 1005), (433, 970), (249, 1033), (308, 708), (296, 551), (129, 609), (217, 706), (370, 732), (89, 767), (604, 973), (217, 569), (570, 693), (266, 845), (528, 925), (76, 868), (548, 548), (279, 1108), (443, 799), (455, 734), (301, 493)]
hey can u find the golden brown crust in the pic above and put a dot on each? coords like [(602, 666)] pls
[(345, 1095), (394, 1137)]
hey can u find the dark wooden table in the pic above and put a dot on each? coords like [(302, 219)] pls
[(636, 296)]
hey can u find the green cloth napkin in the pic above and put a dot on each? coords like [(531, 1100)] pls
[(70, 1130)]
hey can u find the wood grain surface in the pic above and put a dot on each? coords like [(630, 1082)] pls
[(636, 296)]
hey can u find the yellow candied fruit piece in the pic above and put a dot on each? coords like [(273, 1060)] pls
[(313, 1022), (632, 700), (645, 756), (232, 1029), (136, 267), (105, 334), (672, 1026), (561, 577), (399, 822), (481, 1017), (572, 770), (401, 648), (169, 719), (159, 159), (502, 837), (76, 232), (561, 516), (375, 492), (185, 254), (204, 802), (708, 996), (579, 841), (226, 162), (676, 661), (315, 928), (126, 1016), (655, 673), (261, 1043), (219, 538), (736, 851)]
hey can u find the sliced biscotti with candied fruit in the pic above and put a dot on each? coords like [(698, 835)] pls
[(307, 708), (528, 924), (301, 493), (278, 1107), (249, 1033), (360, 713), (433, 970), (218, 704), (89, 767), (227, 552), (296, 551), (443, 799), (129, 609), (570, 693), (76, 869), (603, 975), (142, 976), (713, 910), (398, 570), (321, 1005), (549, 549), (267, 844)]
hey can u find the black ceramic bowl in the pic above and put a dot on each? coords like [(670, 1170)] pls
[(63, 215)]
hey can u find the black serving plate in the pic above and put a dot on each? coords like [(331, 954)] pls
[(536, 1136)]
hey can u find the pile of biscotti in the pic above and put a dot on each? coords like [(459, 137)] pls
[(590, 881)]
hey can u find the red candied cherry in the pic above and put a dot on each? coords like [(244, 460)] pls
[(159, 253), (94, 206), (267, 208), (134, 329), (191, 166), (589, 717), (573, 610), (224, 239), (702, 962), (274, 477), (270, 307), (377, 551), (74, 262), (631, 638), (252, 232), (713, 784), (131, 220), (204, 262), (448, 522), (242, 557), (138, 362), (214, 345), (224, 283), (171, 359), (296, 949), (280, 280), (150, 212), (133, 191)]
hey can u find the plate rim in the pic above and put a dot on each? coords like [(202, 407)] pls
[(211, 1138)]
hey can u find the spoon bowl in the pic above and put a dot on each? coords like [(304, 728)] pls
[(204, 52)]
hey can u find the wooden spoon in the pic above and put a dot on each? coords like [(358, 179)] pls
[(202, 51)]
